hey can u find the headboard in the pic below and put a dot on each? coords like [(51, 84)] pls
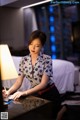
[(19, 52)]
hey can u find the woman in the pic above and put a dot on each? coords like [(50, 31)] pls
[(37, 68)]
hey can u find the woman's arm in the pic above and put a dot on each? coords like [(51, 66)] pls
[(16, 85), (39, 87)]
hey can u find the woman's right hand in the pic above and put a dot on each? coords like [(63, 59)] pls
[(5, 93)]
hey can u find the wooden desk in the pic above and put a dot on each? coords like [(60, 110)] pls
[(29, 108)]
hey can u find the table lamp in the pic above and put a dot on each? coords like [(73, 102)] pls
[(7, 67), (8, 70)]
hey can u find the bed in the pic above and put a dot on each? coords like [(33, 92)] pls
[(63, 75)]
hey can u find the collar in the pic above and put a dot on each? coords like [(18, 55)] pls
[(39, 58)]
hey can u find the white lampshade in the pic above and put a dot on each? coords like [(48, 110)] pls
[(7, 67)]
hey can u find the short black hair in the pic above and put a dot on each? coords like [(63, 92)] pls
[(37, 34)]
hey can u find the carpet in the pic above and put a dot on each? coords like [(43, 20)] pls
[(72, 100)]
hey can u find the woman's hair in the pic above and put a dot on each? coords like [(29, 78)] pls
[(37, 34)]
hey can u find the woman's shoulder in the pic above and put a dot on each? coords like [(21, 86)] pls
[(25, 58), (46, 56), (47, 59)]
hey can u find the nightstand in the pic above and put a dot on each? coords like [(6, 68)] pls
[(29, 108)]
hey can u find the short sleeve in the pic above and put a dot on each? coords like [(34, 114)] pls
[(48, 67), (21, 67)]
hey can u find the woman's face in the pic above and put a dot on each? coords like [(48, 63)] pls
[(35, 46)]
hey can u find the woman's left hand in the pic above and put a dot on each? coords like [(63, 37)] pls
[(16, 95)]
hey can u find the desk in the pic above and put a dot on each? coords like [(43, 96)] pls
[(29, 108)]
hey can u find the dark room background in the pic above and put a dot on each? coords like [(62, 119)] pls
[(61, 23), (62, 27)]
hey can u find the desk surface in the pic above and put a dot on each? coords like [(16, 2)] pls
[(25, 105)]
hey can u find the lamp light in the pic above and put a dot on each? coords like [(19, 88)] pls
[(7, 70), (7, 67), (35, 4)]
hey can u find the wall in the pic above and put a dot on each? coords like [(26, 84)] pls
[(12, 27), (30, 23), (3, 2)]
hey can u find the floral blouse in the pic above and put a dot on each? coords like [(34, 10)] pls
[(34, 73)]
